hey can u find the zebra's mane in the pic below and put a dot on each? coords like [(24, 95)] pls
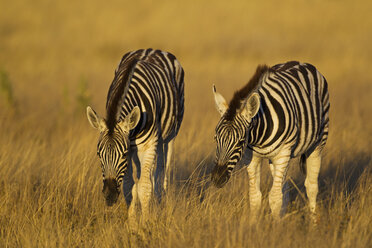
[(285, 66), (243, 93), (117, 92)]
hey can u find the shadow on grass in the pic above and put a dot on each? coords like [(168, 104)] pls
[(339, 177), (194, 183), (344, 175)]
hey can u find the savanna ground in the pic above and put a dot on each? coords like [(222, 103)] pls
[(56, 57)]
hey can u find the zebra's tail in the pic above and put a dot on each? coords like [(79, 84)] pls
[(303, 164)]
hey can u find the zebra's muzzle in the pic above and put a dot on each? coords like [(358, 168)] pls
[(220, 175), (110, 191)]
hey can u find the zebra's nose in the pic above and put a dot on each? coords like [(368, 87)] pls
[(220, 175), (110, 191)]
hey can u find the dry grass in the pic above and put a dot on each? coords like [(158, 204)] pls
[(61, 55)]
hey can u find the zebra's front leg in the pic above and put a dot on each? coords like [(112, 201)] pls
[(279, 170), (285, 190), (255, 195), (168, 149), (132, 211), (128, 183), (311, 182), (145, 185)]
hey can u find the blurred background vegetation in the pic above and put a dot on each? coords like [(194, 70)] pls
[(49, 46)]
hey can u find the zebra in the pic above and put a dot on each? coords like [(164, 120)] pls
[(144, 112), (281, 113)]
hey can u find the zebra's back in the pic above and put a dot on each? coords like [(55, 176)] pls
[(294, 110), (156, 86)]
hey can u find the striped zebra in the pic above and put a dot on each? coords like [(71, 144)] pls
[(144, 111), (281, 113)]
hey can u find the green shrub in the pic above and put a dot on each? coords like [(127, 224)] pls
[(6, 89)]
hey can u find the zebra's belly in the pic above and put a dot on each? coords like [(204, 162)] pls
[(298, 140), (266, 152), (297, 147), (272, 151), (164, 131), (309, 148), (306, 143)]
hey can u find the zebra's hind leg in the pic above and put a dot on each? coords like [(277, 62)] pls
[(168, 150), (255, 195), (311, 182), (279, 171)]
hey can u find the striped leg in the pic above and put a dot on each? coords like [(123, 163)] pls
[(145, 185), (285, 190), (168, 150), (128, 183), (133, 207), (255, 195), (157, 178), (311, 182), (279, 170)]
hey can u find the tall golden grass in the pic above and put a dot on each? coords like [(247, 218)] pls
[(59, 56)]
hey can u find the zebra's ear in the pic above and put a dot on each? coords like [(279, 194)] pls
[(251, 106), (95, 121), (131, 120), (221, 104)]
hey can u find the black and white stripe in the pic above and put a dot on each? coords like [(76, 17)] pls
[(291, 120), (145, 106), (156, 87), (294, 109)]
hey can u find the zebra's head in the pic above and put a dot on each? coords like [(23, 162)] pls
[(112, 150), (231, 134)]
